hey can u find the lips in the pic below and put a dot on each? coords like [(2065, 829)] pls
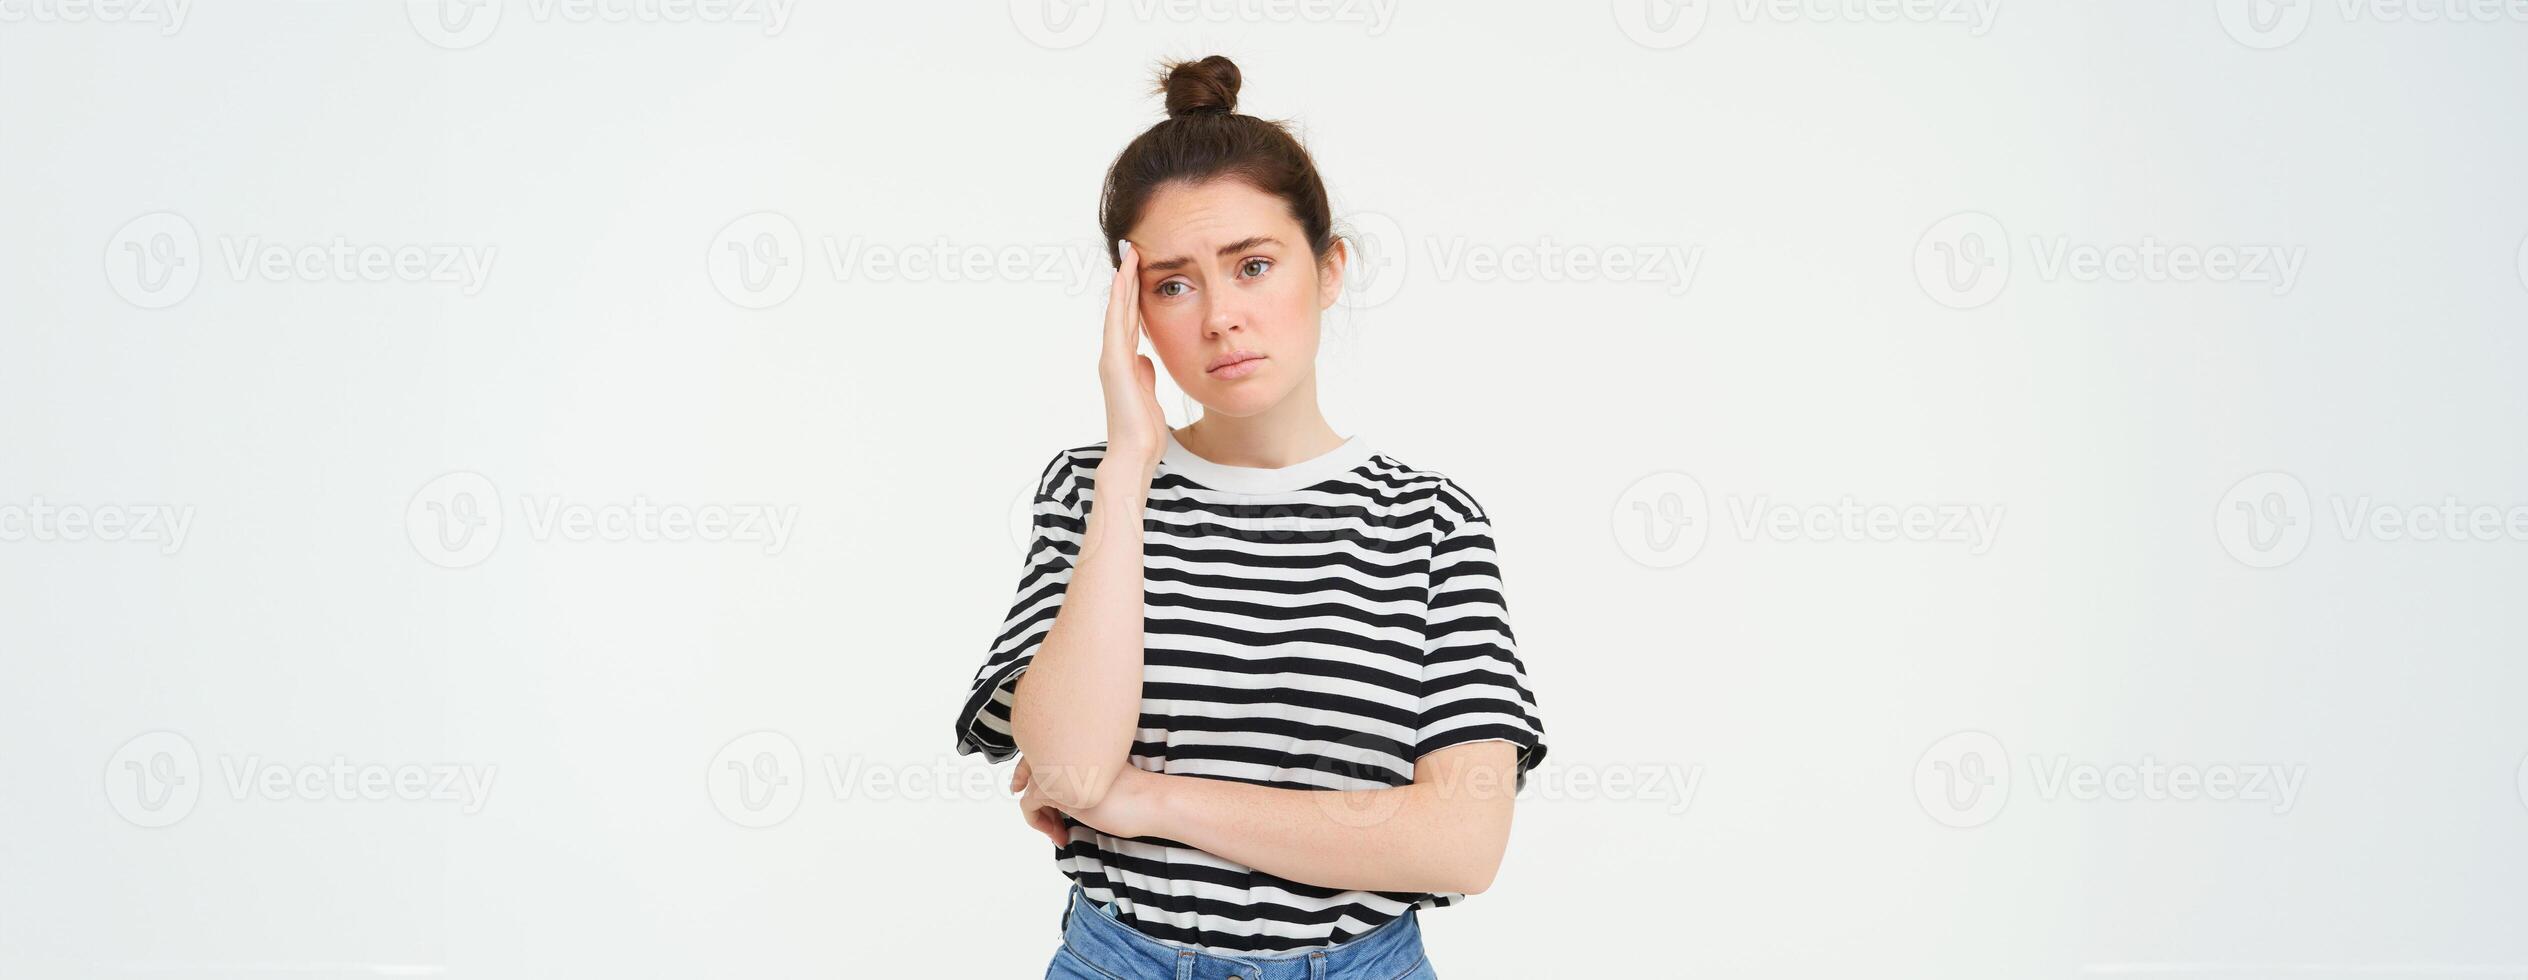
[(1231, 360)]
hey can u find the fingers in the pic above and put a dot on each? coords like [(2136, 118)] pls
[(1123, 307), (1132, 297), (1049, 823), (1018, 777)]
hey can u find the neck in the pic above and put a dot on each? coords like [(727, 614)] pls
[(1291, 432)]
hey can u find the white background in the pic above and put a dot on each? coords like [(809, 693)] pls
[(2143, 602)]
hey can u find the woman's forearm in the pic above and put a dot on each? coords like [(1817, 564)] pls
[(1079, 703), (1445, 833)]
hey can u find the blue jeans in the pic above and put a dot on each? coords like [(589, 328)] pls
[(1096, 945)]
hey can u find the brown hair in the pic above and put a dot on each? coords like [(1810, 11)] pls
[(1203, 138)]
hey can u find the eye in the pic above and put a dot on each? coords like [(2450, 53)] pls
[(1251, 264), (1162, 288)]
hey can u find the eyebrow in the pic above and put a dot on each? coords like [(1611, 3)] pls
[(1179, 262)]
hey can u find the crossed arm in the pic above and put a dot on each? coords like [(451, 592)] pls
[(1444, 832)]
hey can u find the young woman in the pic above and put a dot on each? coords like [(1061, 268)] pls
[(1272, 706)]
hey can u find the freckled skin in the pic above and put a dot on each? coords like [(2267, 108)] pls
[(1265, 298)]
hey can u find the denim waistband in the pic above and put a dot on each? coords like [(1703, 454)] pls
[(1095, 933)]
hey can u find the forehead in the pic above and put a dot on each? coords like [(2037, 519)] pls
[(1210, 213)]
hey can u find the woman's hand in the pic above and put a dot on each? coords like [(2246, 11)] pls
[(1128, 810), (1136, 429), (1032, 806)]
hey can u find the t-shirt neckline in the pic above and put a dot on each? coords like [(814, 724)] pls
[(1263, 479)]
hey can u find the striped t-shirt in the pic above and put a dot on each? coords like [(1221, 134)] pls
[(1313, 626)]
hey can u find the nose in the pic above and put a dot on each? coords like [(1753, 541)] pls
[(1222, 320)]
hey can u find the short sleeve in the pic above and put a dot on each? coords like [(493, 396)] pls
[(1474, 688), (983, 723)]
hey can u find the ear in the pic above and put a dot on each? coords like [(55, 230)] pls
[(1330, 272)]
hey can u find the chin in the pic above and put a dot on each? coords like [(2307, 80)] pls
[(1237, 402)]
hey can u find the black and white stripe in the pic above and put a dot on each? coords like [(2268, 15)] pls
[(1317, 626)]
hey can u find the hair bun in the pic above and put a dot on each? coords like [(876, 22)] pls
[(1197, 87)]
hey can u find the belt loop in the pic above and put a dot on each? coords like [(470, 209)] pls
[(1316, 965), (1184, 964)]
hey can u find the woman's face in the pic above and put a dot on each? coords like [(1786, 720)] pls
[(1226, 274)]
